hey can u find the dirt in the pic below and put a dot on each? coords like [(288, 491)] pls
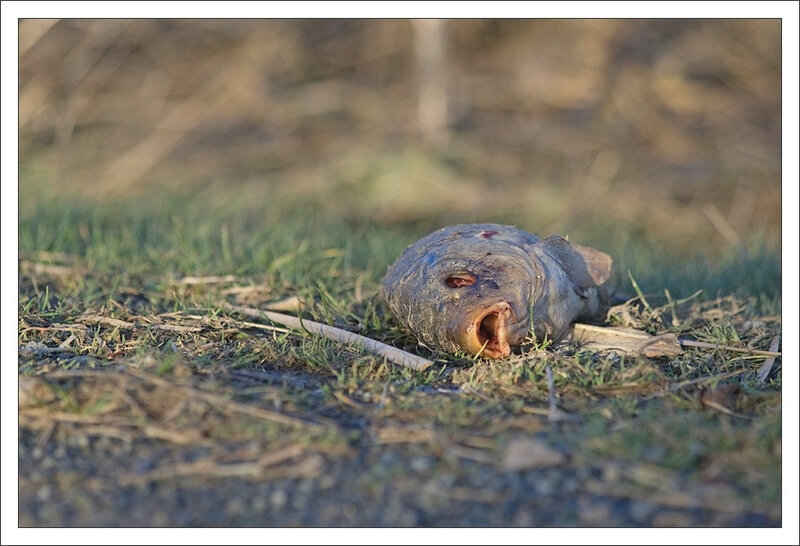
[(366, 470)]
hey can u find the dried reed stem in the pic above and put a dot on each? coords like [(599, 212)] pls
[(337, 334), (707, 345)]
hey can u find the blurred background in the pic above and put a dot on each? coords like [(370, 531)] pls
[(666, 132)]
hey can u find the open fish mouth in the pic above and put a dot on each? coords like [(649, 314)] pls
[(488, 333)]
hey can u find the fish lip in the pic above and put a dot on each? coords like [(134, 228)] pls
[(488, 332)]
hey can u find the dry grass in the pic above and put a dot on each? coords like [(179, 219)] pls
[(669, 127)]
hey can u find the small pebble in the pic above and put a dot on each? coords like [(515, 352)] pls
[(421, 464), (278, 499), (235, 507), (594, 514), (523, 518), (44, 493)]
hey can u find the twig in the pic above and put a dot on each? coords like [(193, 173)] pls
[(264, 327), (766, 368), (635, 342), (175, 328), (551, 389), (626, 340), (382, 401), (207, 280), (189, 438), (721, 224), (105, 321), (115, 432), (111, 426), (555, 413), (346, 400), (126, 325), (337, 334), (707, 345), (44, 350), (80, 328), (66, 343), (54, 270), (722, 409)]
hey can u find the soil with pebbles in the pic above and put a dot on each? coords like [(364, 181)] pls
[(73, 481)]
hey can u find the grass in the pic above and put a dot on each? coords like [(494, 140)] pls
[(643, 424)]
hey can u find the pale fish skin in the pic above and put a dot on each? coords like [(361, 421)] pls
[(483, 289)]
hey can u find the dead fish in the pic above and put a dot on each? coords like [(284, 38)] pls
[(482, 289)]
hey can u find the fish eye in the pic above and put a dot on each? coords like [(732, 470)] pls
[(457, 280)]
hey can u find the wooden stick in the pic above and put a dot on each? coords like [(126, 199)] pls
[(707, 345), (337, 334), (635, 342), (626, 340), (208, 280)]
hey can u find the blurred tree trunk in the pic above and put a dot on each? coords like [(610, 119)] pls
[(431, 56)]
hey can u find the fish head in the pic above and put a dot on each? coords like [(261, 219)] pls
[(484, 302), (483, 288), (471, 295)]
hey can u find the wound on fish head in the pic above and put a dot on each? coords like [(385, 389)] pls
[(457, 280)]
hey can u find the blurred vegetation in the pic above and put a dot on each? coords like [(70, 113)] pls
[(667, 131)]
